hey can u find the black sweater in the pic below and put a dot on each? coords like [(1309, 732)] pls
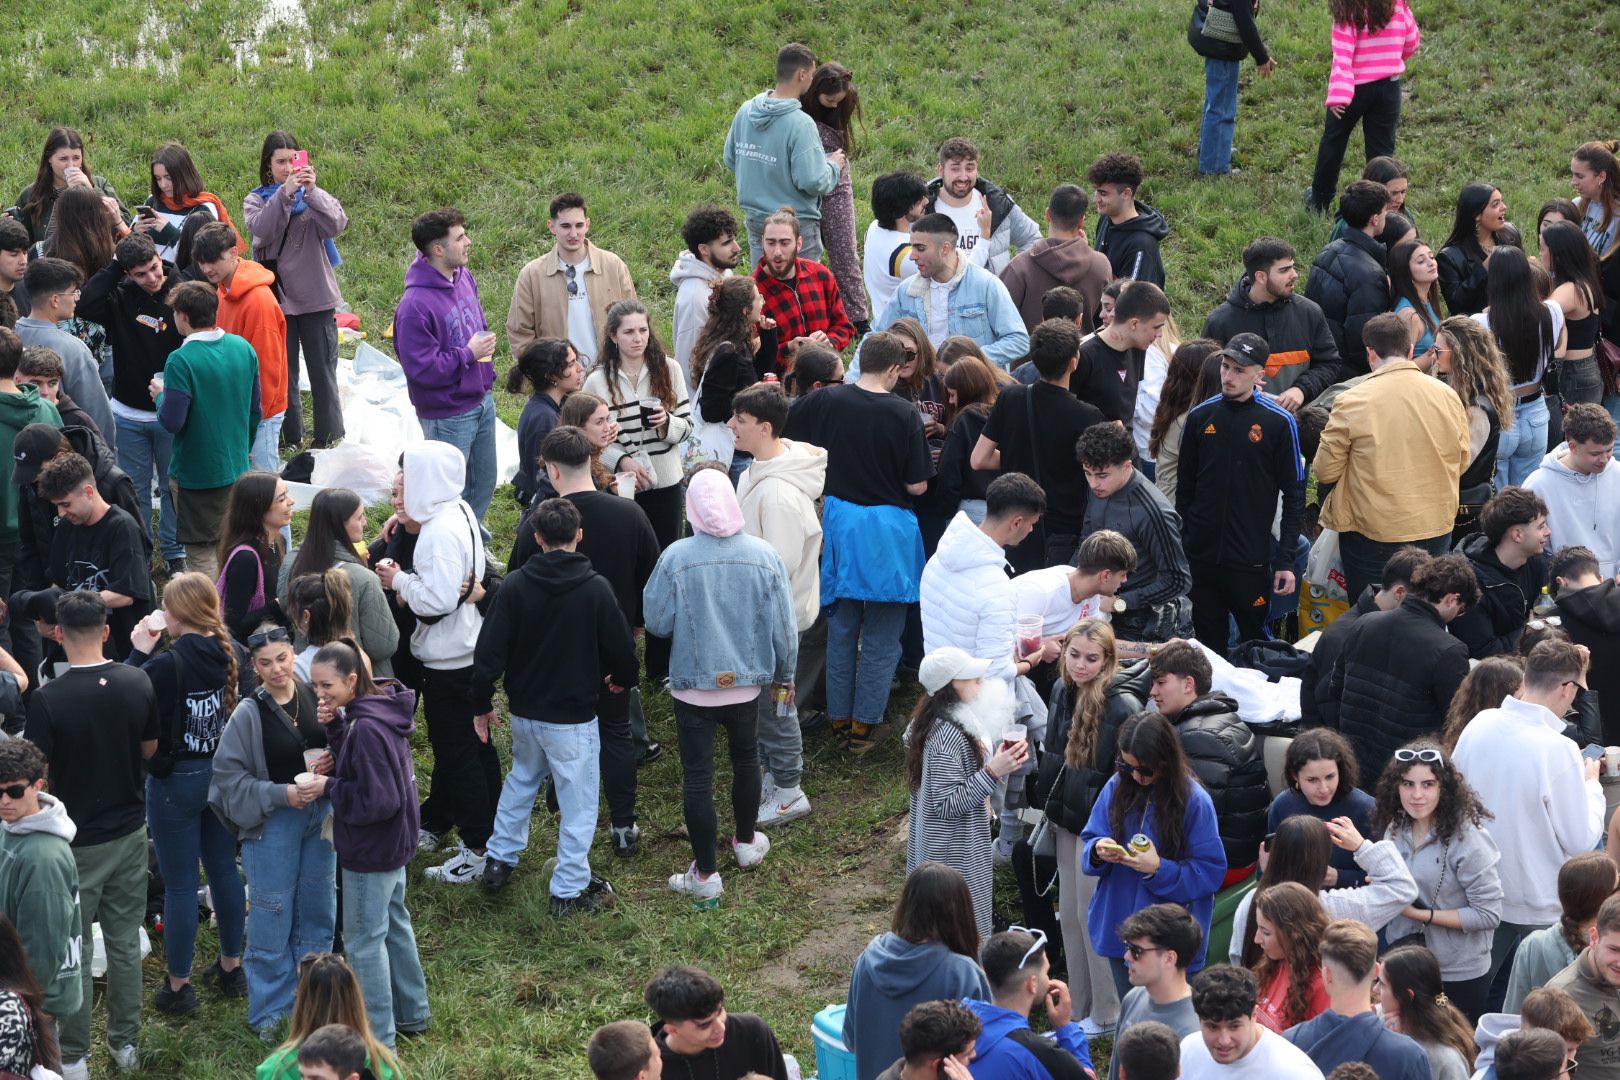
[(729, 370), (619, 541), (140, 327), (750, 1046)]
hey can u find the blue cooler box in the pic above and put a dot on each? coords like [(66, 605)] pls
[(833, 1059)]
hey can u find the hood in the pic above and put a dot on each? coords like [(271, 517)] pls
[(421, 275), (1556, 462), (557, 572), (689, 267), (711, 504), (52, 819), (898, 968), (1239, 297), (393, 706), (19, 410), (1597, 606), (1062, 258), (1213, 703), (1493, 573), (765, 110), (1147, 220), (205, 662), (964, 547), (90, 446), (1340, 1038), (249, 276), (998, 1024), (801, 464), (1492, 1029), (435, 473)]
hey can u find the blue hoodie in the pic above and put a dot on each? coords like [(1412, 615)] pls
[(1330, 1039), (435, 318), (775, 150), (890, 977), (1009, 1050)]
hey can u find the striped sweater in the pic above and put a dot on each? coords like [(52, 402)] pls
[(660, 454), (1361, 56), (949, 821)]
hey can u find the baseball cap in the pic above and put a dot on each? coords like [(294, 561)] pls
[(34, 446), (1248, 349), (943, 665)]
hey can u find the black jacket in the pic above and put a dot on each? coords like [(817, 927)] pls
[(619, 541), (1067, 794), (36, 517), (730, 370), (1493, 626), (1236, 457), (1317, 707), (1591, 617), (956, 478), (1394, 680), (1349, 283), (1227, 757), (1132, 246), (554, 631), (140, 328), (1304, 352), (1462, 277), (1243, 15)]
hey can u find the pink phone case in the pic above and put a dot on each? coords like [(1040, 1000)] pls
[(300, 159)]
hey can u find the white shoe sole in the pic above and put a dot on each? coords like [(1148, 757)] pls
[(768, 814)]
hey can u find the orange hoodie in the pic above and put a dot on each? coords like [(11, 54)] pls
[(248, 308)]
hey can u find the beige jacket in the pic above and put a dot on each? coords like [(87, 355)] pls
[(540, 297), (778, 500)]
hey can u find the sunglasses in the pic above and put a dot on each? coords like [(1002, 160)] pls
[(1040, 942), (1139, 951), (265, 637), (573, 283), (1428, 755), (1141, 772), (15, 791)]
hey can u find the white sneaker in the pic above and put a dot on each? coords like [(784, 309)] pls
[(1092, 1028), (751, 855), (462, 868), (782, 805), (127, 1058), (687, 881), (428, 841), (76, 1070)]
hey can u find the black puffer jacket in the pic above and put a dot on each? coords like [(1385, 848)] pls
[(1068, 801), (1592, 618), (1493, 626), (1394, 680), (1318, 708), (1228, 758), (1304, 352), (1349, 283)]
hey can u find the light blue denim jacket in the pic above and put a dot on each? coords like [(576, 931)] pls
[(980, 308), (727, 604)]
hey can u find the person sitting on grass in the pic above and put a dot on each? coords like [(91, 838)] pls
[(624, 1050), (697, 1037), (1015, 963), (328, 995)]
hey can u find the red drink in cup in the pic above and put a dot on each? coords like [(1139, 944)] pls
[(1029, 636)]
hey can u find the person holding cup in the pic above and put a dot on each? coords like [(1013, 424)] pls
[(272, 738)]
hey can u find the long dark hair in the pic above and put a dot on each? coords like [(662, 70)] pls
[(1584, 882), (43, 194), (1520, 322), (1181, 383), (1401, 286), (327, 530), (1297, 915), (935, 905), (17, 976), (663, 385), (250, 500), (1573, 262), (815, 363), (1471, 202), (1412, 974), (176, 160), (541, 364), (188, 232), (731, 303), (1368, 16), (1459, 803), (1149, 738), (1484, 687), (276, 140), (931, 711), (327, 599), (346, 658), (80, 231), (1299, 852), (830, 78)]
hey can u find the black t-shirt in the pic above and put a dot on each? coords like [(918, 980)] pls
[(1060, 417), (1107, 378), (750, 1046), (874, 443), (283, 750), (90, 723), (109, 555)]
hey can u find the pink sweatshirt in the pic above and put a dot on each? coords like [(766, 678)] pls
[(1362, 57)]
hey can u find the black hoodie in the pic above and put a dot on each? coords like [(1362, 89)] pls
[(554, 631), (1493, 626), (1591, 617), (140, 327), (36, 517), (750, 1047), (1132, 246), (188, 681), (1303, 352)]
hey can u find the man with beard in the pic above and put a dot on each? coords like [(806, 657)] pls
[(1592, 981), (988, 222), (711, 253), (801, 295)]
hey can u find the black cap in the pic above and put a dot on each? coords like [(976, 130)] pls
[(34, 446), (1250, 349)]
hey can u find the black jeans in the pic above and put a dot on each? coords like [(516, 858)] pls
[(314, 335), (1377, 105), (694, 727), (1219, 591), (618, 757), (665, 508), (466, 772), (1035, 873), (1364, 558)]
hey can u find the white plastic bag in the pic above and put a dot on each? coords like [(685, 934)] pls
[(1324, 568)]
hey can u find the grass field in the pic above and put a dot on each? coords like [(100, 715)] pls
[(495, 107)]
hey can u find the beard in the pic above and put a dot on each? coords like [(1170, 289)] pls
[(986, 716)]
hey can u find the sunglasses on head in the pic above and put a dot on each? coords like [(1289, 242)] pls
[(265, 637), (1040, 942), (15, 791), (1428, 755)]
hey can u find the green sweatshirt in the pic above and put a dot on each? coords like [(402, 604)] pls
[(283, 1065), (17, 410), (39, 890), (210, 401)]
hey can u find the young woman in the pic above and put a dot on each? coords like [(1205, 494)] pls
[(1584, 882), (1393, 175), (972, 391), (177, 193), (62, 165), (1155, 370), (27, 1034), (251, 550), (734, 350), (1414, 281), (552, 371), (272, 736), (195, 683), (1223, 32), (919, 384), (1578, 291), (1155, 795), (834, 104), (930, 950), (591, 415), (1089, 705), (1594, 173), (1484, 687), (336, 529), (375, 818), (321, 608), (84, 232), (1193, 366), (328, 993), (1437, 822), (814, 368), (1554, 210), (1477, 229), (1414, 1002), (1530, 334), (293, 222), (1321, 776), (1467, 360), (1289, 921), (960, 347)]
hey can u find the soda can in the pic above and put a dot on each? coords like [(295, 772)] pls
[(1140, 843)]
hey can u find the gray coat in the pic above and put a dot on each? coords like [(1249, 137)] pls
[(238, 791), (374, 623), (1459, 874)]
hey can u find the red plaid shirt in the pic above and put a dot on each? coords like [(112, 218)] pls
[(808, 303)]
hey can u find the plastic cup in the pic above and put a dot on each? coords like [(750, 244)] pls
[(650, 407), (1029, 636), (304, 778), (1014, 733), (311, 757), (1611, 761), (626, 484)]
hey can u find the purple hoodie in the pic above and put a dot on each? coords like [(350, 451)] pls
[(373, 787), (431, 327)]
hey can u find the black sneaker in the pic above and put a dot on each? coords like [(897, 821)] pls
[(653, 752), (181, 1002), (497, 874), (599, 887), (625, 840), (585, 903), (232, 984), (177, 566)]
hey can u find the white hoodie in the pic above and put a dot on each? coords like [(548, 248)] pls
[(448, 549), (1581, 509), (778, 499), (693, 280), (967, 598)]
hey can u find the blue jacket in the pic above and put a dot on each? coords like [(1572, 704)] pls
[(1190, 881), (890, 977), (1009, 1050), (980, 308), (1330, 1040), (869, 553), (726, 603)]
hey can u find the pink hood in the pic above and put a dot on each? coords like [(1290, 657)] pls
[(711, 504)]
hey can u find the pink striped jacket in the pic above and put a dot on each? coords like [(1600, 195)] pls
[(1362, 57)]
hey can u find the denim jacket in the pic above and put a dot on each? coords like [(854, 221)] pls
[(980, 308), (726, 603)]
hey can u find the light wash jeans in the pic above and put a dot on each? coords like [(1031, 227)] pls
[(1520, 448), (863, 649), (184, 831), (473, 433), (292, 878), (265, 453), (781, 743), (380, 945), (1220, 116), (570, 755), (143, 453)]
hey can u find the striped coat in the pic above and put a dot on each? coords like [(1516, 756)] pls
[(661, 454), (950, 822)]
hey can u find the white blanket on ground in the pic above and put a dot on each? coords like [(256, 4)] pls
[(1260, 701)]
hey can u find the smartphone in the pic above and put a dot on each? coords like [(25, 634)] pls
[(145, 211), (1593, 753), (300, 159)]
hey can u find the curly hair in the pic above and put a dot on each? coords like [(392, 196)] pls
[(1459, 802), (1081, 748), (1298, 918), (729, 323)]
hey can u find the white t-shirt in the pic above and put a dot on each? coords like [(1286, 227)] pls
[(1547, 346), (1047, 593), (581, 323), (1600, 238), (885, 260), (1154, 370), (1273, 1058), (969, 240), (939, 312)]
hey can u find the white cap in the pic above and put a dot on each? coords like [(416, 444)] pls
[(944, 665)]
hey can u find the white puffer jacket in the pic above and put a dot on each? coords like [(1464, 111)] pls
[(967, 598)]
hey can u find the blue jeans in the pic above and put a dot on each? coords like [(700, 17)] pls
[(143, 452), (292, 874), (185, 830), (569, 754), (863, 649), (265, 453), (1520, 448), (1220, 116), (473, 433), (380, 945)]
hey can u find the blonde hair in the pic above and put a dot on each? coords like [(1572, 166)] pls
[(1478, 369), (191, 598), (330, 993), (1086, 719)]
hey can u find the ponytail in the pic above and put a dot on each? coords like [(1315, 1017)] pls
[(541, 364), (328, 601), (346, 656)]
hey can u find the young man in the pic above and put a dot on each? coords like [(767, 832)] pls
[(1111, 360), (1149, 1049), (1016, 965), (624, 1050), (698, 1037), (1302, 356), (1593, 980), (566, 293), (1509, 558), (1239, 455), (1033, 430), (1398, 671), (207, 397), (53, 285), (1128, 232), (248, 308), (712, 251), (1547, 1009), (39, 881), (899, 200), (97, 546), (1580, 483), (1348, 281), (1393, 448), (988, 223), (14, 245), (333, 1052), (938, 1040), (1065, 257), (775, 152), (1316, 705), (1532, 1055), (1350, 1030), (799, 294), (1589, 607), (1160, 942), (97, 724), (777, 494), (129, 296), (444, 343), (1230, 1043), (555, 637), (20, 406), (42, 369), (1063, 595), (952, 296)]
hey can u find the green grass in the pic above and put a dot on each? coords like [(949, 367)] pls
[(495, 107)]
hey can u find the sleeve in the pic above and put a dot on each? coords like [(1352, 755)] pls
[(523, 316), (1575, 804), (728, 152), (1063, 1057), (1009, 338), (1335, 682), (1290, 472), (81, 380), (784, 624), (1326, 366), (997, 420), (1160, 533), (326, 212), (1342, 73), (722, 378), (1334, 449), (267, 219), (1482, 885), (96, 298), (435, 586), (614, 644), (1022, 228), (993, 636), (1389, 891), (768, 357), (1187, 471), (47, 920), (241, 582), (1097, 829), (808, 166), (427, 360), (1243, 15), (951, 476), (1310, 710), (949, 788), (37, 728), (361, 799), (379, 633), (679, 425), (1198, 874), (129, 571), (1012, 277), (235, 791), (839, 329), (491, 652), (1413, 38), (658, 601), (174, 403), (1449, 674), (1455, 283), (919, 463)]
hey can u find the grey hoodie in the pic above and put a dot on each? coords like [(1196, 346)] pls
[(1460, 874), (693, 280), (238, 791), (775, 151), (1492, 1029), (891, 975)]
